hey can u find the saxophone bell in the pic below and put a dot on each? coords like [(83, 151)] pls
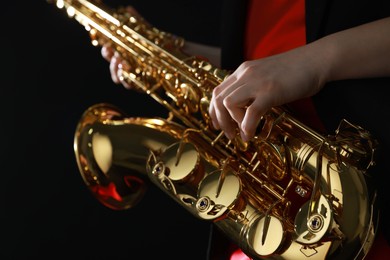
[(110, 173)]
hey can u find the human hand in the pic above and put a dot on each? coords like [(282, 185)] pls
[(240, 101), (117, 63)]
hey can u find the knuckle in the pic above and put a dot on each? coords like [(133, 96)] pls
[(228, 101)]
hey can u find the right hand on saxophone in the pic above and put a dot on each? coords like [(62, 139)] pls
[(257, 85)]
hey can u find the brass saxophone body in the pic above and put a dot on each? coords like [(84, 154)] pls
[(290, 193)]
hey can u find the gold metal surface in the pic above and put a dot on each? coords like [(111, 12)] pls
[(289, 193)]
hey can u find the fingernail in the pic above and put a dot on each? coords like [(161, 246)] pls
[(243, 136), (215, 126), (229, 135)]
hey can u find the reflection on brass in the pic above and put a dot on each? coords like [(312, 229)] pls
[(289, 193)]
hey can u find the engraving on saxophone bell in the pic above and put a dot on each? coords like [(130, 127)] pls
[(289, 193)]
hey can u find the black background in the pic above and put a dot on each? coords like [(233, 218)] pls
[(50, 75)]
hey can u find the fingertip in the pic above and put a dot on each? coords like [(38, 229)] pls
[(103, 52), (213, 119), (230, 129), (215, 125), (229, 135), (114, 70), (248, 128), (251, 120), (106, 52), (245, 135)]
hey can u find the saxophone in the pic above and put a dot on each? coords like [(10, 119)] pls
[(289, 193)]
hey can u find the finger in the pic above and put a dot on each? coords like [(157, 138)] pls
[(115, 61), (252, 119), (224, 84), (225, 122), (107, 52), (213, 117), (216, 102), (124, 67), (238, 115), (236, 103)]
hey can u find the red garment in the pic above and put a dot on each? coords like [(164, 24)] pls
[(274, 27)]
